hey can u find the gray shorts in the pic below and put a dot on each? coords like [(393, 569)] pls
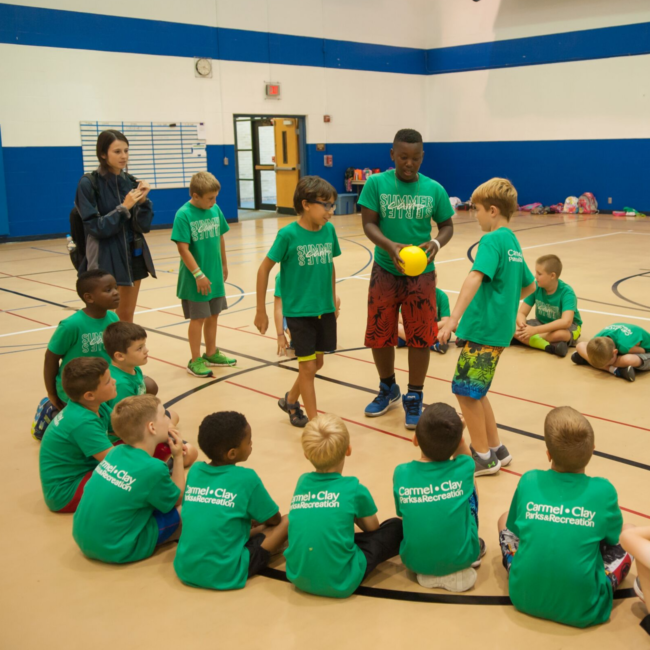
[(198, 310), (575, 330)]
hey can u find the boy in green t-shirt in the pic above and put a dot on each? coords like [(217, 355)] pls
[(126, 344), (325, 557), (81, 335), (398, 209), (436, 498), (560, 538), (305, 250), (130, 502), (558, 323), (621, 349), (219, 549), (198, 230), (77, 438), (489, 299)]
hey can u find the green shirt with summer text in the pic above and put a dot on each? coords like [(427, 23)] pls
[(405, 211), (550, 306)]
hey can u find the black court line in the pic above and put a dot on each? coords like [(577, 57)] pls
[(611, 304), (618, 283), (25, 295)]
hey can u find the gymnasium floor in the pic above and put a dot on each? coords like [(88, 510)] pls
[(53, 597)]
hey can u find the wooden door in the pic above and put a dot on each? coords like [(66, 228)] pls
[(287, 162)]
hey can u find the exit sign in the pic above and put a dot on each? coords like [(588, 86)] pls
[(272, 90)]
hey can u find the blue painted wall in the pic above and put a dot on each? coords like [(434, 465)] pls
[(547, 171), (42, 181)]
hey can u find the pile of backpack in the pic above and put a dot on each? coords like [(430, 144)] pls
[(585, 204)]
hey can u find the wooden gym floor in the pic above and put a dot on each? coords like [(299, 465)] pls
[(53, 597)]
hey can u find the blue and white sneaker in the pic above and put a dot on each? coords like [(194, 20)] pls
[(44, 415), (386, 398), (412, 403)]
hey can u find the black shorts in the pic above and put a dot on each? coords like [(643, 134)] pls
[(138, 268), (381, 544), (259, 557), (312, 334)]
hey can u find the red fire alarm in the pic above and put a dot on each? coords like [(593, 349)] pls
[(327, 118), (328, 161), (272, 89)]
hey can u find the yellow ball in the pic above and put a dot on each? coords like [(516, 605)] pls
[(415, 260)]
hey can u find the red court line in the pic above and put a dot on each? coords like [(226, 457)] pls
[(395, 435), (169, 363), (58, 286), (25, 317), (495, 392)]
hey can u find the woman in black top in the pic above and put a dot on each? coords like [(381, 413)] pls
[(116, 212)]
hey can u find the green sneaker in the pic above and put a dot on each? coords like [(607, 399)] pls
[(218, 359), (198, 368)]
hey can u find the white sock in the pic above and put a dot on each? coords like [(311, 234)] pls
[(613, 369), (495, 449), (484, 455)]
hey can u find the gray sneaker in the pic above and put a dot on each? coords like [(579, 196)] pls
[(485, 467), (504, 456), (626, 373)]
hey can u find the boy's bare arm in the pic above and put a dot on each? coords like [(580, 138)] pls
[(524, 310), (637, 349), (367, 524), (562, 323), (526, 291), (370, 220), (102, 454), (261, 319), (274, 520), (224, 260), (467, 292), (50, 371), (202, 284), (178, 471), (636, 541)]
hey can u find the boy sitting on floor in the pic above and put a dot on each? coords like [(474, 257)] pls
[(129, 505), (560, 539), (77, 439), (441, 543), (219, 549), (325, 557), (558, 323), (620, 349)]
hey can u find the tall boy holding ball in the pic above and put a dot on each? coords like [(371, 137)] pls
[(397, 208)]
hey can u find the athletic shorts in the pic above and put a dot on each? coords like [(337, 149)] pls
[(258, 557), (616, 561), (168, 523), (574, 330), (138, 267), (475, 370), (74, 502), (198, 310), (417, 298), (312, 335)]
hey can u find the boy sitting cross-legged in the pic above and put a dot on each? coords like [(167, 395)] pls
[(77, 440), (557, 322), (219, 549), (129, 505), (437, 499), (621, 349), (560, 539), (325, 557), (126, 345)]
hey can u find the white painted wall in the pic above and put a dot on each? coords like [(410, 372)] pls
[(604, 98), (463, 22), (48, 91)]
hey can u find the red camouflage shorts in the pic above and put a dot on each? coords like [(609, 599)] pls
[(417, 298)]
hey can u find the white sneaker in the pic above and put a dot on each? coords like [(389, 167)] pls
[(459, 581)]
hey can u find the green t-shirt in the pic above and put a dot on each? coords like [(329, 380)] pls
[(114, 521), (126, 385), (202, 230), (563, 517), (405, 211), (549, 307), (440, 533), (71, 440), (79, 335), (442, 304), (306, 259), (491, 317), (218, 506), (626, 336), (322, 558), (277, 292)]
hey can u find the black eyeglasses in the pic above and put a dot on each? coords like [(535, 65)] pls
[(327, 206)]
